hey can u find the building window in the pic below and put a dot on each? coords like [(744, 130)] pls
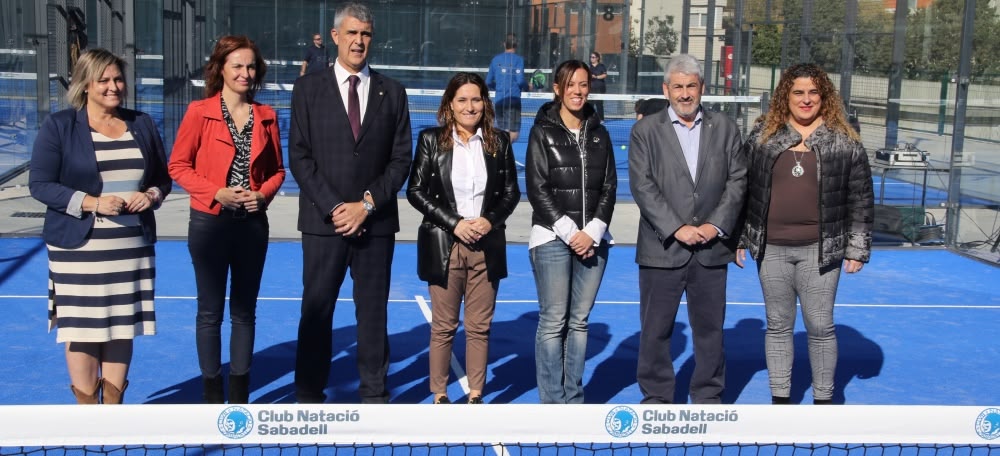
[(699, 17)]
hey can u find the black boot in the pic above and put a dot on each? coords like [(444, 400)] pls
[(780, 400), (822, 401), (239, 388), (212, 393)]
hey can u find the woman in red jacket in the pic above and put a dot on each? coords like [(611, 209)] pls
[(227, 156)]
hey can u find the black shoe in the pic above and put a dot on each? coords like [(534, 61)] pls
[(476, 400), (239, 389), (212, 390), (442, 400), (822, 401), (778, 400)]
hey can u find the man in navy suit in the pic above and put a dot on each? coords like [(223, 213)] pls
[(349, 149)]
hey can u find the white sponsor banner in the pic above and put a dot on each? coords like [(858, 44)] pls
[(57, 425)]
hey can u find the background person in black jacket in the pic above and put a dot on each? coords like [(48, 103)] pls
[(598, 75), (809, 215), (464, 182), (571, 184)]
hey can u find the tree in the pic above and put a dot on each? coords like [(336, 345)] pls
[(766, 45), (660, 37), (781, 21), (934, 35)]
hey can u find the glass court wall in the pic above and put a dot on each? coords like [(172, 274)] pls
[(920, 75)]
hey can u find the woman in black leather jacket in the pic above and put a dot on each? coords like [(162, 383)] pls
[(464, 182), (571, 184)]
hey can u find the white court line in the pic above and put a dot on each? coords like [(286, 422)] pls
[(631, 303), (761, 304), (457, 367)]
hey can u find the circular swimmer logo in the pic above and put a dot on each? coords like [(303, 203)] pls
[(988, 423), (621, 421), (235, 422)]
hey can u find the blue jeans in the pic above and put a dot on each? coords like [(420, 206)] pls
[(567, 287)]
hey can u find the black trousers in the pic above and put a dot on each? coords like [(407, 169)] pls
[(326, 260), (660, 291), (220, 245)]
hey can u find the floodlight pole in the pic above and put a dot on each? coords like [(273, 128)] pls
[(896, 76), (958, 130), (847, 52)]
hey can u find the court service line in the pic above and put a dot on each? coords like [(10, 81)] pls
[(534, 301), (760, 304)]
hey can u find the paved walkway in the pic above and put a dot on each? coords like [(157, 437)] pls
[(21, 216)]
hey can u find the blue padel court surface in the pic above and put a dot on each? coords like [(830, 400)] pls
[(917, 326)]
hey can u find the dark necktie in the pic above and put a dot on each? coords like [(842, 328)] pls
[(354, 105)]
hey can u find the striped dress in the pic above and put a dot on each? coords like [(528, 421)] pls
[(103, 290)]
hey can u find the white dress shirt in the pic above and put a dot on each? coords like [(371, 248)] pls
[(468, 174), (344, 85)]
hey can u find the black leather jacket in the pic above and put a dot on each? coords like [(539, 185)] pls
[(430, 192), (566, 177)]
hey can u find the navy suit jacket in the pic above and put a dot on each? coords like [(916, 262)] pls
[(332, 168), (63, 162)]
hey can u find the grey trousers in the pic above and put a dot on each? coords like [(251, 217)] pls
[(790, 272), (660, 291)]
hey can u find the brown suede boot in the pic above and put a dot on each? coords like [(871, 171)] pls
[(113, 395), (84, 398)]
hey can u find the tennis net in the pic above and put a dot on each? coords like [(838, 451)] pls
[(502, 430)]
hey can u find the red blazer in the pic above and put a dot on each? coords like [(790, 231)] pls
[(204, 151)]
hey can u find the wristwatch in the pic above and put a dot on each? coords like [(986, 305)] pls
[(369, 208)]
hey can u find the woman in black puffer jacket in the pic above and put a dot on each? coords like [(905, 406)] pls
[(809, 215), (571, 185)]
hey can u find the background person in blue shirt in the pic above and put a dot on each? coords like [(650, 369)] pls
[(506, 76)]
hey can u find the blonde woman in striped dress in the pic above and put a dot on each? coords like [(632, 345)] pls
[(101, 171)]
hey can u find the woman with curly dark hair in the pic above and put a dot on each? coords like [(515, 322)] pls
[(227, 156), (464, 182), (808, 216)]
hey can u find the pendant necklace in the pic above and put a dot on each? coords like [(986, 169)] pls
[(798, 170)]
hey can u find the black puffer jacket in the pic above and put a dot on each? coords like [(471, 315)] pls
[(846, 201), (566, 177)]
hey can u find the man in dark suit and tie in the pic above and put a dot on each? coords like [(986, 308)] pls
[(349, 149), (688, 178)]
